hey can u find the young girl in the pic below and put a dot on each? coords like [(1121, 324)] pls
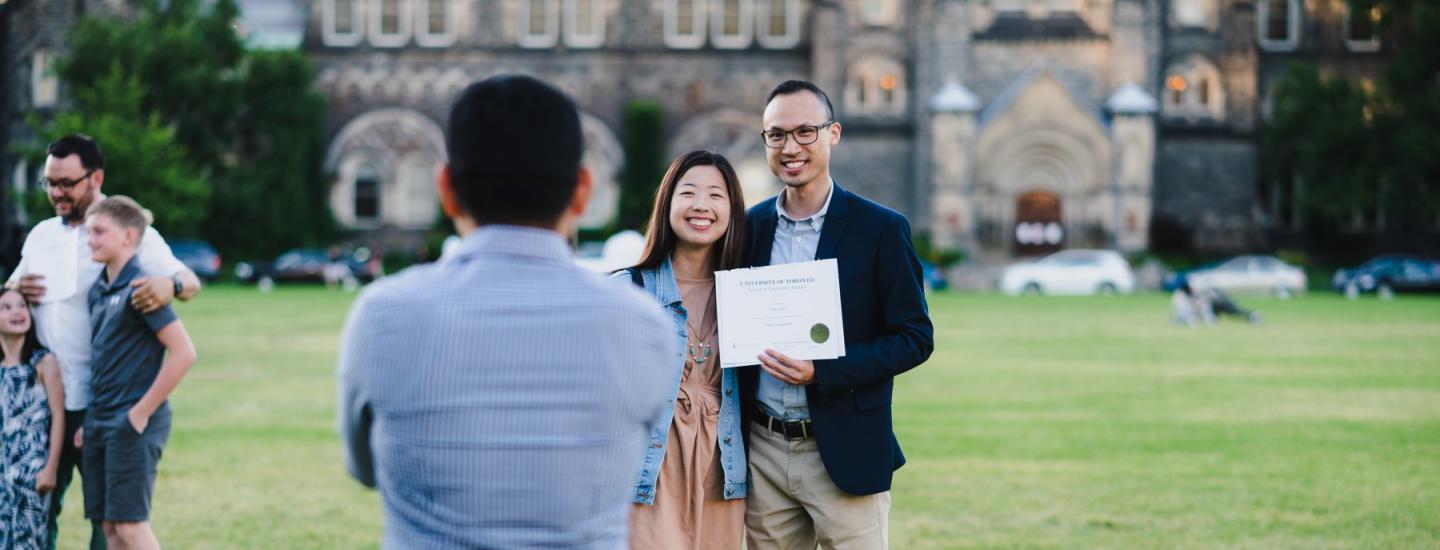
[(691, 492), (32, 426)]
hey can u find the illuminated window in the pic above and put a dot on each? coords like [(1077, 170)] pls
[(879, 13), (1193, 91), (876, 87)]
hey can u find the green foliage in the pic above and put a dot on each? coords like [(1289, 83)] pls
[(644, 162), (249, 119), (1360, 145), (142, 157), (940, 257)]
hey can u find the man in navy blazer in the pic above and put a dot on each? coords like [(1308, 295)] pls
[(821, 445)]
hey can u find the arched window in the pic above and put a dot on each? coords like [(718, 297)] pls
[(389, 23), (685, 23), (879, 13), (1362, 28), (584, 23), (367, 195), (340, 25), (1193, 90), (435, 27), (539, 23), (1279, 23), (779, 23), (415, 205), (732, 24), (876, 87)]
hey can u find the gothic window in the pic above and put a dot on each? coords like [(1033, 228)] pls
[(584, 23), (436, 27), (1361, 28), (44, 85), (341, 23), (389, 23), (732, 23), (539, 23), (685, 23), (879, 13), (1279, 24), (367, 195), (1193, 91), (779, 23), (876, 87)]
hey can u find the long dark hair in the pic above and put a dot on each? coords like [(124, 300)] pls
[(32, 340), (660, 239)]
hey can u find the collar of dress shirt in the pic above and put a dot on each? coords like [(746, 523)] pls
[(515, 240), (815, 218)]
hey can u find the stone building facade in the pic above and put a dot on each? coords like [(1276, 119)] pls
[(1003, 127)]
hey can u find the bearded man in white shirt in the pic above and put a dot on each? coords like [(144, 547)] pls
[(56, 271)]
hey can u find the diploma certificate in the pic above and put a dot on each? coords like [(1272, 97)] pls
[(791, 308)]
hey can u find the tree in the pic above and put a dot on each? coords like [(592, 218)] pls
[(249, 121), (1354, 146), (142, 159), (644, 162)]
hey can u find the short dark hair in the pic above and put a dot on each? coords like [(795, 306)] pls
[(515, 147), (78, 144), (794, 86)]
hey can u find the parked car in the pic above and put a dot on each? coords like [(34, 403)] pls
[(1071, 272), (199, 256), (300, 265), (1391, 272), (1244, 274)]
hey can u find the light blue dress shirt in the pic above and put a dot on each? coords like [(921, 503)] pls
[(796, 240), (502, 397)]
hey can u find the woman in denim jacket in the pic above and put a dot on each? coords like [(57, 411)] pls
[(691, 491)]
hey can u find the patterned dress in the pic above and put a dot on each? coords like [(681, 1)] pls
[(24, 447)]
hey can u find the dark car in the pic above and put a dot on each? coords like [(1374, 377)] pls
[(1391, 272), (199, 256), (299, 265)]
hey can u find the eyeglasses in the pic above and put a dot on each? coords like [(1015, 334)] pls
[(63, 185), (804, 135)]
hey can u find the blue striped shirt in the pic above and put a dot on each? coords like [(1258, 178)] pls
[(795, 241), (502, 397)]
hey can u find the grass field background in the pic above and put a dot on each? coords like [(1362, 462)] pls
[(1038, 422)]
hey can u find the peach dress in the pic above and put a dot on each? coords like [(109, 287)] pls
[(690, 509)]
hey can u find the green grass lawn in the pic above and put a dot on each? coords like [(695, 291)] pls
[(1039, 422)]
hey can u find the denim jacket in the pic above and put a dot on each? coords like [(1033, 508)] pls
[(661, 284)]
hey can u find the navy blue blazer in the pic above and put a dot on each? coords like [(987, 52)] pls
[(887, 332)]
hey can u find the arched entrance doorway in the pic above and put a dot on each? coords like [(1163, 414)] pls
[(1038, 227)]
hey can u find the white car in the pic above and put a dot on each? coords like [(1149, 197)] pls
[(1071, 272), (1250, 274)]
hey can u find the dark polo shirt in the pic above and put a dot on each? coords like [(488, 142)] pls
[(126, 355)]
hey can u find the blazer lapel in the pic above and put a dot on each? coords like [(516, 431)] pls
[(764, 238), (834, 224)]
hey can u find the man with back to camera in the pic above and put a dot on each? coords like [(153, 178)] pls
[(74, 172), (500, 398), (821, 445)]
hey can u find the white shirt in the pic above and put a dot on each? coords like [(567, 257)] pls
[(63, 323)]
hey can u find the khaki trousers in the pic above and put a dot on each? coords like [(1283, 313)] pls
[(793, 504)]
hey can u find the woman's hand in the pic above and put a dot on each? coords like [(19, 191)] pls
[(45, 480)]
